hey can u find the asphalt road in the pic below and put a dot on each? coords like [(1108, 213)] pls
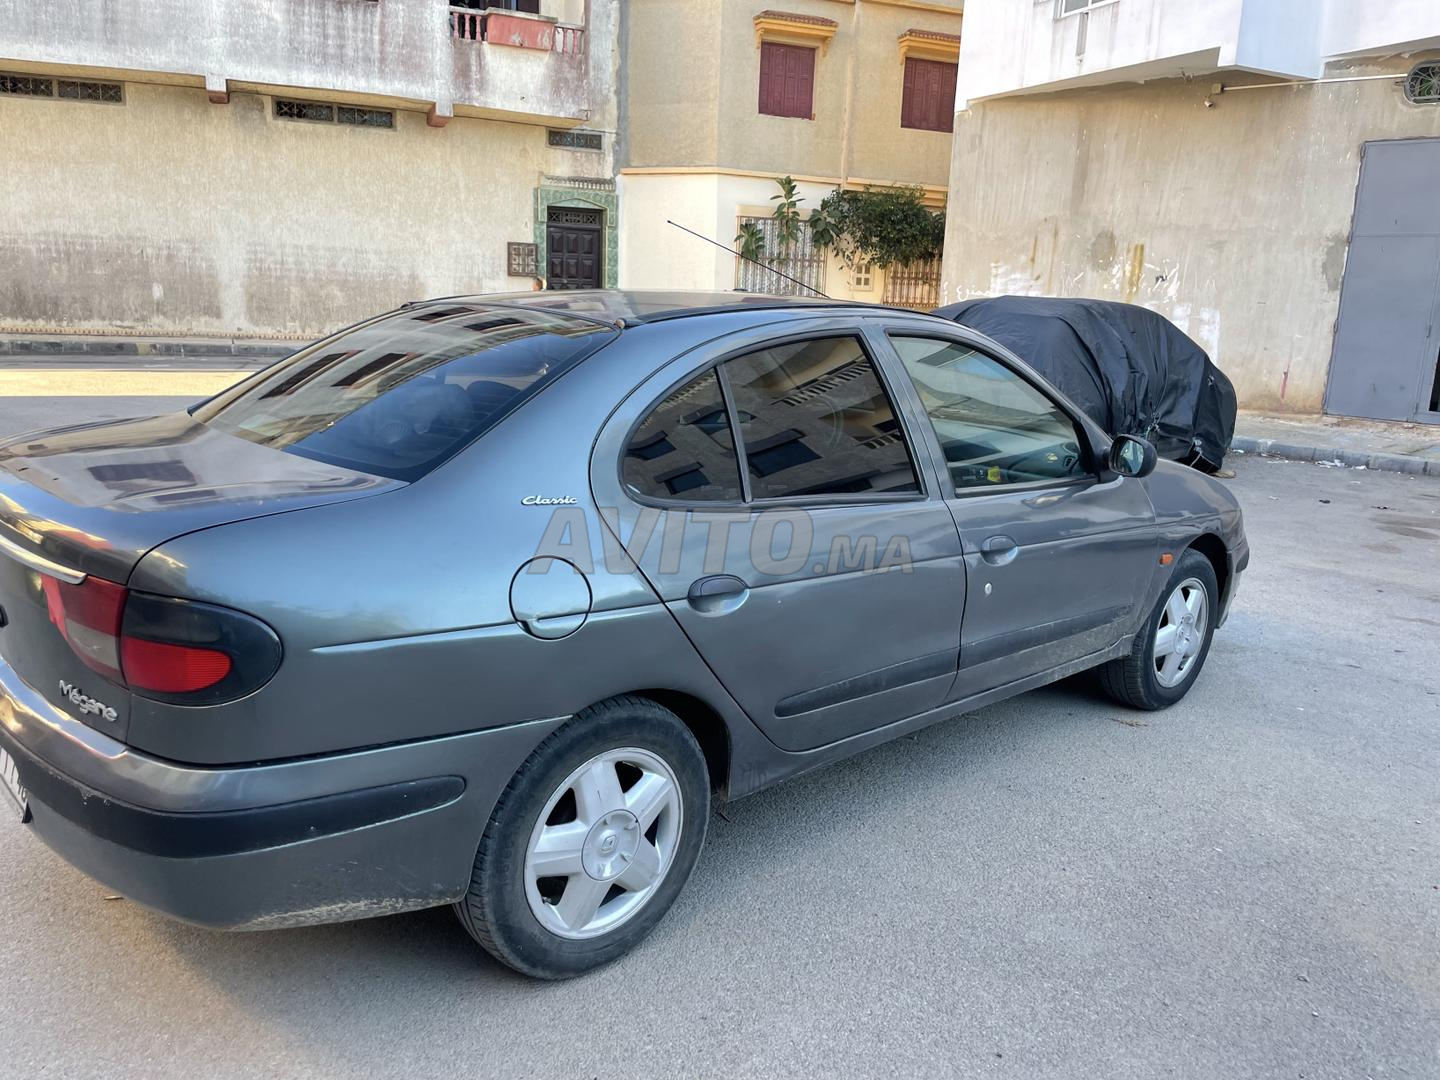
[(1246, 885)]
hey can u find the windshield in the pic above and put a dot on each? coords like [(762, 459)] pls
[(398, 395)]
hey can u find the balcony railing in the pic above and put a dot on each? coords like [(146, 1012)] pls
[(501, 27)]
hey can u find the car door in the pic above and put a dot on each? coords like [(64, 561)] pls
[(807, 559), (1058, 552)]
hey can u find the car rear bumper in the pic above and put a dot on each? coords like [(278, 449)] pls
[(323, 839)]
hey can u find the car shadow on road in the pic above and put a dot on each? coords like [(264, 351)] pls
[(318, 983)]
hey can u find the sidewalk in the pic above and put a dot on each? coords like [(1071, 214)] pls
[(31, 349), (1369, 444)]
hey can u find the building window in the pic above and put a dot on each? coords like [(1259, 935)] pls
[(1074, 7), (787, 80), (319, 112), (928, 102), (862, 277), (913, 285), (1422, 85), (65, 89), (800, 261), (575, 140), (350, 114)]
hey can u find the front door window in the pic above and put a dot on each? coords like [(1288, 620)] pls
[(994, 427)]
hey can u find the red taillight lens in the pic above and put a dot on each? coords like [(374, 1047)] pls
[(180, 651), (171, 669), (88, 617)]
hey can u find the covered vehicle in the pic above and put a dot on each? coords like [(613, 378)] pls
[(1130, 369)]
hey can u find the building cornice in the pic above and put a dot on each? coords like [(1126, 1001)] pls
[(793, 28), (921, 5), (929, 45), (933, 194)]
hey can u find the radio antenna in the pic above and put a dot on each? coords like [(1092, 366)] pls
[(757, 262)]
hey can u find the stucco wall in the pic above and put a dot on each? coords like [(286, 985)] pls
[(656, 255), (170, 215), (693, 90), (672, 82), (1232, 220)]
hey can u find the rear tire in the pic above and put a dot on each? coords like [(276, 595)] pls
[(591, 842), (1171, 648)]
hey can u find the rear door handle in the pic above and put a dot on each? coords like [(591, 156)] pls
[(718, 594), (999, 550)]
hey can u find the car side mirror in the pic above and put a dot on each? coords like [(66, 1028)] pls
[(1130, 455)]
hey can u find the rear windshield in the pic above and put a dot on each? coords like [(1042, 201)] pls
[(398, 395)]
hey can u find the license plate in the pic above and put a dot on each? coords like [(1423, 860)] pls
[(13, 790)]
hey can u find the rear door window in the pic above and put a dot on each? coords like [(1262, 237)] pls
[(400, 394), (685, 448), (815, 420)]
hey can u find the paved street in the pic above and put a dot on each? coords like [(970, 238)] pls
[(1247, 885)]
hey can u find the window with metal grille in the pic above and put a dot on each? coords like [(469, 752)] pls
[(787, 80), (914, 285), (1422, 85), (319, 112), (349, 114), (575, 140), (27, 86), (76, 90), (928, 101), (304, 110), (65, 89), (800, 260)]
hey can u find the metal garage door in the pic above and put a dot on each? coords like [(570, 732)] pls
[(1387, 341)]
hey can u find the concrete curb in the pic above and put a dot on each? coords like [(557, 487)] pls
[(99, 346), (1401, 463)]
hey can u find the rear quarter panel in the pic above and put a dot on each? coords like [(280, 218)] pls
[(394, 611)]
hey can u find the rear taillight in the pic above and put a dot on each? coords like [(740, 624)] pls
[(180, 651)]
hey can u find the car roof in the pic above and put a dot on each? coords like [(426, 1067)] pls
[(629, 306)]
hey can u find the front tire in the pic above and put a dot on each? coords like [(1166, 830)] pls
[(1170, 650), (591, 842)]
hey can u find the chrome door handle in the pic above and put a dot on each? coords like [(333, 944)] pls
[(999, 550), (718, 594)]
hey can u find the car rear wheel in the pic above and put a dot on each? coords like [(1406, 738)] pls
[(1169, 652), (591, 842)]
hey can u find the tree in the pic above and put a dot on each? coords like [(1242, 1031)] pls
[(878, 226)]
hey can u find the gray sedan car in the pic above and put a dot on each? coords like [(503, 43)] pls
[(482, 602)]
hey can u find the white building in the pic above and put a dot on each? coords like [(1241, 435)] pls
[(285, 167), (1261, 171)]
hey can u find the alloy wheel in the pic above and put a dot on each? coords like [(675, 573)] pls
[(1181, 634), (603, 843)]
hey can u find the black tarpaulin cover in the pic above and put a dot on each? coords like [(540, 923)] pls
[(1132, 370)]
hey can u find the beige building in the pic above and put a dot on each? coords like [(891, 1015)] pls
[(284, 167), (721, 97)]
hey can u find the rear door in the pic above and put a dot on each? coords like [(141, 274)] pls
[(1057, 558), (808, 560)]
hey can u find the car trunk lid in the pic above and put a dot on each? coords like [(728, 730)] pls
[(92, 500)]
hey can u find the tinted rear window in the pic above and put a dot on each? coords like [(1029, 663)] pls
[(398, 395)]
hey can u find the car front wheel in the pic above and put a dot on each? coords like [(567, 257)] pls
[(591, 842), (1170, 650)]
